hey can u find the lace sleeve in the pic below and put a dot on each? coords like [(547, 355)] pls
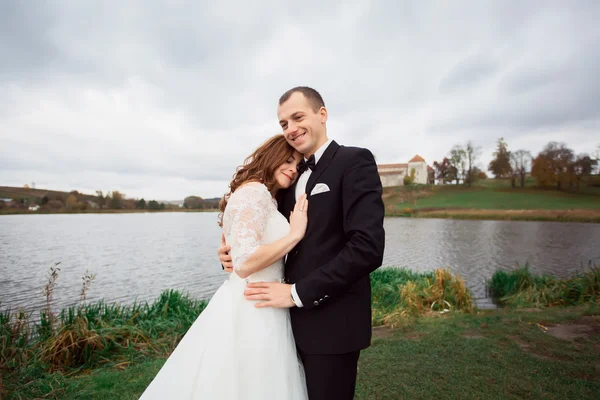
[(248, 208)]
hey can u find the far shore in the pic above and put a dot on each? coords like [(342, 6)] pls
[(575, 215), (102, 211)]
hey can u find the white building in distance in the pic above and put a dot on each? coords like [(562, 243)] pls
[(393, 174)]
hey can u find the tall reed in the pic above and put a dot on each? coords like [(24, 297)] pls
[(398, 293), (522, 288), (85, 336)]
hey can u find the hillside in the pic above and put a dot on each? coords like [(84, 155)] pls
[(16, 192), (492, 199)]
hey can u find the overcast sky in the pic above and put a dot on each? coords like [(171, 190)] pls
[(164, 99)]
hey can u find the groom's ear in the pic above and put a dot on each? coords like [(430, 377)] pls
[(323, 114)]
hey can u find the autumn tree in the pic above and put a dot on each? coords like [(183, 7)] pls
[(71, 201), (552, 166), (410, 178), (193, 202), (500, 165), (519, 164)]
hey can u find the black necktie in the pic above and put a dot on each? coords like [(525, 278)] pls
[(304, 165)]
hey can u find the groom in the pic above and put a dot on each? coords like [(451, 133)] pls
[(327, 274)]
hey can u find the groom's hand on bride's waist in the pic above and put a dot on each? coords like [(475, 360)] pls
[(224, 255), (271, 294)]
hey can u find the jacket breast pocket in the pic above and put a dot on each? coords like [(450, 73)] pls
[(322, 205)]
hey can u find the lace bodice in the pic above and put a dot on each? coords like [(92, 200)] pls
[(250, 220)]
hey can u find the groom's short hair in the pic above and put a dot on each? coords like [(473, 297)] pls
[(312, 96)]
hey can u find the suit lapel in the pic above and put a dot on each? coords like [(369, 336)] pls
[(322, 165)]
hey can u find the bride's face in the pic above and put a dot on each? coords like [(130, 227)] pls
[(287, 173)]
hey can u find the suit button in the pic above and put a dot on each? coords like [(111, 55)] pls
[(325, 297), (316, 303)]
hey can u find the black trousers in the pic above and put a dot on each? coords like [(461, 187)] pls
[(330, 376)]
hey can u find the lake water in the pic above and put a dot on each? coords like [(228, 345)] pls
[(137, 256)]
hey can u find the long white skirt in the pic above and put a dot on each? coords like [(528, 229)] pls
[(233, 351)]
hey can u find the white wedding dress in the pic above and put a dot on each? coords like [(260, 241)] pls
[(234, 350)]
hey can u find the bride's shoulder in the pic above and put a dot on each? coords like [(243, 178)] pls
[(256, 190)]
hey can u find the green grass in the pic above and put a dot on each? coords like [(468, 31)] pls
[(107, 351), (493, 199), (489, 194), (508, 199), (488, 355)]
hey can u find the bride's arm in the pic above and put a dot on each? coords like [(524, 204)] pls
[(250, 214)]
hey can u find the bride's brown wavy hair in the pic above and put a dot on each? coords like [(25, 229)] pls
[(259, 166)]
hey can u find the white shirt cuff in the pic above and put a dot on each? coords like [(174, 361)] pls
[(296, 297)]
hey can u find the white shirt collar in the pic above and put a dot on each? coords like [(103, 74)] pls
[(320, 151)]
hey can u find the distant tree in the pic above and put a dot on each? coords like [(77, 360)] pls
[(552, 166), (500, 164), (162, 206), (116, 199), (193, 202), (128, 204), (55, 205), (596, 157), (582, 167), (444, 170), (472, 153), (141, 204), (71, 201), (458, 160), (153, 205), (80, 206), (519, 165), (477, 174)]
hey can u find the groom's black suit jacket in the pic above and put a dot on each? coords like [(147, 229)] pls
[(344, 243)]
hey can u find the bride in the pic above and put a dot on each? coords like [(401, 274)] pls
[(235, 350)]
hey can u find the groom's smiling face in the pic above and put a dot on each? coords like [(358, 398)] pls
[(303, 126)]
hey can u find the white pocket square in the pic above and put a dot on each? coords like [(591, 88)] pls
[(319, 188)]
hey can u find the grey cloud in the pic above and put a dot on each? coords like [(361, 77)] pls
[(468, 72), (23, 50)]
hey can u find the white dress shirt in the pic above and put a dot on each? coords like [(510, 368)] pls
[(300, 189)]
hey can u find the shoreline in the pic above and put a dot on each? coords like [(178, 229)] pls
[(109, 211), (574, 215), (571, 215)]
